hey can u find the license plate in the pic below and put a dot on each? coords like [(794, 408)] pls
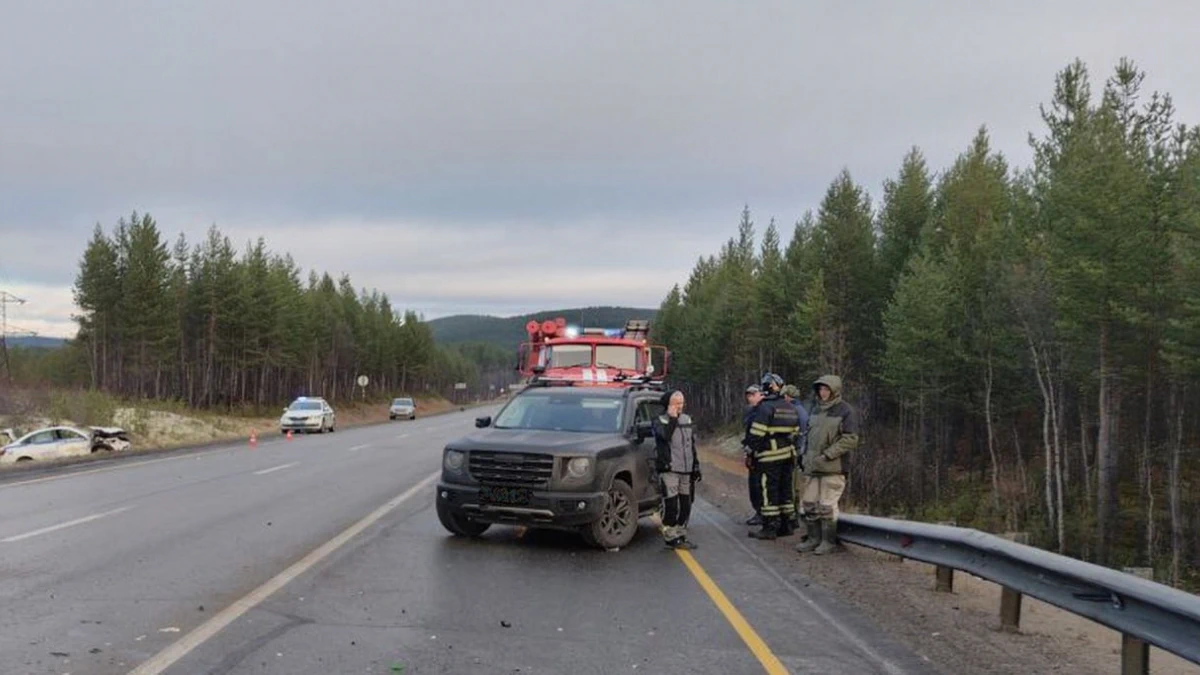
[(507, 496)]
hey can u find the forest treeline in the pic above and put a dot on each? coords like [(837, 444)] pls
[(212, 326), (1023, 343)]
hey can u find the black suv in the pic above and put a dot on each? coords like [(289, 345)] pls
[(557, 456)]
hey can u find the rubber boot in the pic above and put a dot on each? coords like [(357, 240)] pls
[(828, 537), (812, 537), (754, 520), (786, 529), (770, 529)]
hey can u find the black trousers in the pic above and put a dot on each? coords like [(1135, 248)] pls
[(754, 483), (776, 489)]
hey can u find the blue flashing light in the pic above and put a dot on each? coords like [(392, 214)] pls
[(614, 332)]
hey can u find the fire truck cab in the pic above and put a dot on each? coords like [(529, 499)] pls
[(594, 356)]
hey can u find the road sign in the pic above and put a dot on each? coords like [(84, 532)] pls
[(460, 385), (362, 380)]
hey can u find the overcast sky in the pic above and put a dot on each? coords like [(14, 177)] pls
[(504, 157)]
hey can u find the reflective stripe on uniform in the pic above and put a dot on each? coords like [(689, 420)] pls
[(774, 455)]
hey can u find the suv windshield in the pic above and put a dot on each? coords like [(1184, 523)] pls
[(305, 405), (402, 401), (562, 412)]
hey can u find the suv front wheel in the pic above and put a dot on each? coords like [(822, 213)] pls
[(618, 522)]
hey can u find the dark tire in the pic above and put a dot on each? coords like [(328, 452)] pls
[(458, 524), (618, 522), (24, 459)]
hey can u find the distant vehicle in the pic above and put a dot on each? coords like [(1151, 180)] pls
[(63, 441), (307, 414), (403, 407), (559, 455)]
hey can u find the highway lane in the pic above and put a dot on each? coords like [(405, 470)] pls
[(101, 572), (196, 530)]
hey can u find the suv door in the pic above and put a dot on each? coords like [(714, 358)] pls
[(647, 408)]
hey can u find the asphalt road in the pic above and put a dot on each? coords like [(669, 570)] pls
[(324, 555)]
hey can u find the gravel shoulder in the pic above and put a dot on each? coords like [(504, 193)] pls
[(958, 633)]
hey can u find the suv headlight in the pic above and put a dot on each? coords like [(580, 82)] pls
[(454, 460), (579, 467)]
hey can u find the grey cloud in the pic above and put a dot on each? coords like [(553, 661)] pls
[(644, 117)]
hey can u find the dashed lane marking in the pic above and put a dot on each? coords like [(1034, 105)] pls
[(60, 526), (275, 468)]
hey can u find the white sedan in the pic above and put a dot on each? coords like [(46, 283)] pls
[(60, 442)]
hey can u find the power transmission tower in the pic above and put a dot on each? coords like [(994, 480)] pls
[(6, 331)]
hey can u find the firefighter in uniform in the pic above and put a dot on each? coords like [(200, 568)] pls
[(791, 394), (773, 431)]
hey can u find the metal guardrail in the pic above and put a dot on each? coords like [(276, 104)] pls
[(1144, 612)]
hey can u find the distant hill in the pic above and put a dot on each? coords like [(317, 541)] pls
[(508, 332), (36, 342)]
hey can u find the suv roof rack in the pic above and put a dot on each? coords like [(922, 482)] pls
[(550, 382)]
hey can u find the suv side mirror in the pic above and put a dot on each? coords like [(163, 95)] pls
[(481, 422), (644, 429)]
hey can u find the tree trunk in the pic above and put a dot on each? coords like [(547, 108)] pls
[(1047, 413), (1107, 455), (991, 435), (1147, 466), (1085, 451), (1176, 510)]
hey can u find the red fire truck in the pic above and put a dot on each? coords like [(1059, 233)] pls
[(606, 357)]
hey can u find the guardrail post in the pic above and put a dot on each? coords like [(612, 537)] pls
[(1010, 610), (945, 575), (1135, 656), (945, 579), (893, 557)]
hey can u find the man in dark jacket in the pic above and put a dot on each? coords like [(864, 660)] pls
[(791, 394), (753, 397), (678, 467), (832, 433), (772, 437)]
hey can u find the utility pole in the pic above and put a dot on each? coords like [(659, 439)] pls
[(6, 299)]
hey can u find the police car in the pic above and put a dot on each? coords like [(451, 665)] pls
[(308, 414)]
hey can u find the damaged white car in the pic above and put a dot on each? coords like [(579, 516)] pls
[(64, 441)]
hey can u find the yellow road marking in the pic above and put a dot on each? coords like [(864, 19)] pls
[(756, 644), (761, 651)]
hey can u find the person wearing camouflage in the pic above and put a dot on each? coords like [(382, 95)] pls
[(833, 432)]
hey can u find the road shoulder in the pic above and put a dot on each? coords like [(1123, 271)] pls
[(959, 632)]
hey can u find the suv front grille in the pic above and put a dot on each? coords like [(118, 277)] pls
[(511, 468)]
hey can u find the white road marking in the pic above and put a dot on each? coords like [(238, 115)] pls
[(60, 526), (131, 465), (360, 447), (274, 468), (205, 631), (402, 436)]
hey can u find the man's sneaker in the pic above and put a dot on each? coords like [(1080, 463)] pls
[(753, 520), (679, 543)]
